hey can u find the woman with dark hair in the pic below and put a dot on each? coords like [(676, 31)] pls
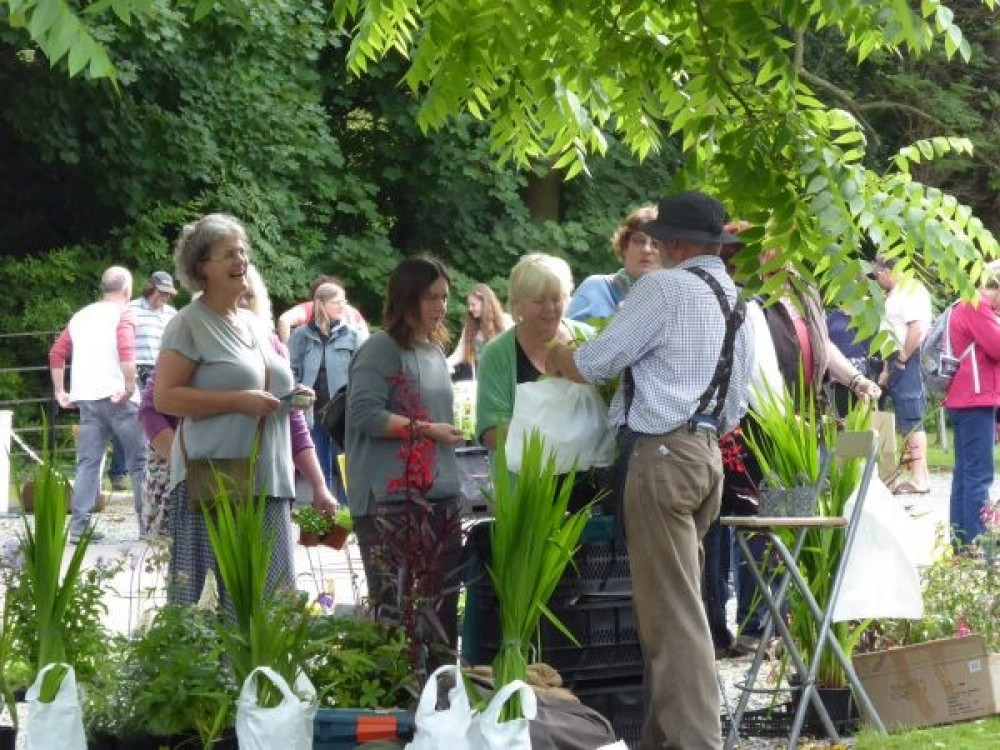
[(484, 321), (401, 468)]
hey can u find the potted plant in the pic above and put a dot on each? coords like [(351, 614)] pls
[(359, 663), (533, 539), (317, 528), (791, 436), (50, 589), (269, 627), (8, 734), (137, 700)]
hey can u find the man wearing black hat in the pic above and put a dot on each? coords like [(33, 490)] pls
[(686, 357)]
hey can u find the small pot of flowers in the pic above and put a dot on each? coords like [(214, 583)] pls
[(317, 528), (312, 525)]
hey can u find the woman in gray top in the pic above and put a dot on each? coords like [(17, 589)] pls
[(219, 371), (402, 478)]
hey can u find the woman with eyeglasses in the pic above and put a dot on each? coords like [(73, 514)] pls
[(321, 353), (219, 371), (600, 295)]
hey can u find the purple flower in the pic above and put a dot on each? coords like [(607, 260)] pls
[(11, 554), (103, 563), (325, 601)]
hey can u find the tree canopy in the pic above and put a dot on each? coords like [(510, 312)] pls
[(554, 79)]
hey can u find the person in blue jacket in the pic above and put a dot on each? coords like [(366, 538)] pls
[(599, 295), (320, 353)]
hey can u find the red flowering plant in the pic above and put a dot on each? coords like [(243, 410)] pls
[(419, 550)]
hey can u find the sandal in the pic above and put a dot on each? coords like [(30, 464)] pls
[(909, 488)]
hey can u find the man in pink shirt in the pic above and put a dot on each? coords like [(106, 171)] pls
[(103, 388)]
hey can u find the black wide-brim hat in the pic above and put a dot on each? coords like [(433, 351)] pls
[(692, 216)]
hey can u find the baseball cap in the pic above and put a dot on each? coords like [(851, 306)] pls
[(163, 282)]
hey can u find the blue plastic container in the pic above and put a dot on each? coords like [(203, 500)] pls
[(346, 728)]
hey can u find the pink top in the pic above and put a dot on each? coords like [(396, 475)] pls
[(977, 381)]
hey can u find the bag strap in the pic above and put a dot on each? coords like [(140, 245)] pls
[(259, 433)]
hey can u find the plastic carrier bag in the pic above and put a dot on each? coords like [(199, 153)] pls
[(287, 726), (448, 728), (57, 725), (488, 733), (571, 418)]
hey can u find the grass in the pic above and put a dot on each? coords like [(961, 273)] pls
[(982, 733)]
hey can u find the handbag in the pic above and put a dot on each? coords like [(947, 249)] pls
[(211, 478), (333, 415)]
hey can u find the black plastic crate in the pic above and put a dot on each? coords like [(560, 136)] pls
[(600, 566), (605, 629), (621, 703), (777, 720)]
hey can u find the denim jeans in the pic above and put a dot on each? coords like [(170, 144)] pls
[(973, 475), (118, 467), (99, 420), (327, 451), (715, 583), (750, 608)]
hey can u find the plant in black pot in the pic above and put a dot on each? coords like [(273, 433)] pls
[(168, 686)]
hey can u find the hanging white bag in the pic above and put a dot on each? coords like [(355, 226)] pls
[(57, 725), (287, 726), (447, 729), (488, 733), (572, 418)]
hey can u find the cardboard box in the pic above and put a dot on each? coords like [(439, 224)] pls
[(939, 682)]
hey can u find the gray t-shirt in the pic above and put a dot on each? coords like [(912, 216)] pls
[(231, 361), (384, 379)]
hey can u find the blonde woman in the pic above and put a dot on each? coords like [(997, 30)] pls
[(539, 290), (321, 352)]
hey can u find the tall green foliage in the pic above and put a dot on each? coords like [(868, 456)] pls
[(553, 81)]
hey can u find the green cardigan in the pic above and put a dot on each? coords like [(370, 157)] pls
[(498, 377)]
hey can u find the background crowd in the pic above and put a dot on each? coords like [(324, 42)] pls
[(684, 358)]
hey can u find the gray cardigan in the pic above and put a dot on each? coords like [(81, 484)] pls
[(372, 395)]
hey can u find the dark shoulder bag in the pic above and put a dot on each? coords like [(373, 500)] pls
[(333, 415)]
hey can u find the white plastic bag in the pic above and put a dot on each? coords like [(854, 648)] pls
[(488, 733), (57, 725), (449, 728), (287, 726), (884, 543), (572, 419)]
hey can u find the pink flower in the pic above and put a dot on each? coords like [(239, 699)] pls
[(963, 630)]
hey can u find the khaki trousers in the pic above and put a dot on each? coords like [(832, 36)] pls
[(672, 494)]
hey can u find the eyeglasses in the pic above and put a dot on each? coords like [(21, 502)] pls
[(229, 257), (642, 241)]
